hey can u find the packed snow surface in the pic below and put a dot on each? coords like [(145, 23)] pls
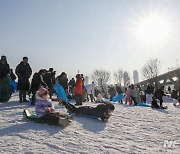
[(131, 129)]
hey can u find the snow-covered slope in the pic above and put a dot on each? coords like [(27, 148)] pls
[(129, 130)]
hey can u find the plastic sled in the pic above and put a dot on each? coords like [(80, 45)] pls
[(13, 86), (118, 98), (60, 92), (28, 115), (143, 104)]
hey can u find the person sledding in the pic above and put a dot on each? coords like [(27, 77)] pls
[(102, 111), (45, 111)]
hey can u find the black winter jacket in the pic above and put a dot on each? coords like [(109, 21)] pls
[(4, 70), (37, 82)]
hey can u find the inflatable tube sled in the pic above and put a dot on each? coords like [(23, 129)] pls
[(28, 115), (143, 104), (60, 92), (118, 97)]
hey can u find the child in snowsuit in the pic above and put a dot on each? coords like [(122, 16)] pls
[(44, 109), (103, 111), (128, 96)]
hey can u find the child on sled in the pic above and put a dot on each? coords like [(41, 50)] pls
[(45, 110), (103, 111)]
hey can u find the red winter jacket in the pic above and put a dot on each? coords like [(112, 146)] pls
[(78, 86)]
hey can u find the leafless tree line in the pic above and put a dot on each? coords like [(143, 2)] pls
[(150, 69), (102, 77)]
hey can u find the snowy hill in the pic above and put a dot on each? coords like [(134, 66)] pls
[(129, 130)]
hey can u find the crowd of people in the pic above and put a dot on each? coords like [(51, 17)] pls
[(42, 78), (41, 89)]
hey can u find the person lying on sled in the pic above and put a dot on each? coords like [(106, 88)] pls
[(45, 111), (103, 111)]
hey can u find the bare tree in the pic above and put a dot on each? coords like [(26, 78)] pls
[(118, 76), (151, 68), (101, 77)]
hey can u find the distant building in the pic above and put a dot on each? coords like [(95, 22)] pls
[(136, 76)]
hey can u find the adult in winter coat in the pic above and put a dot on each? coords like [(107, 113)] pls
[(90, 91), (4, 67), (78, 90), (103, 111), (12, 75), (112, 92), (4, 80), (179, 94), (63, 81), (48, 78), (24, 72), (72, 84), (119, 92), (159, 93), (154, 104), (37, 82), (119, 89)]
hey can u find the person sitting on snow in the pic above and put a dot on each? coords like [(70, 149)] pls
[(103, 111), (45, 111), (154, 104)]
